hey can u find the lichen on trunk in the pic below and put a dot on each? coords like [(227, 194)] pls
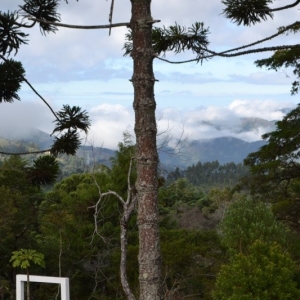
[(146, 153)]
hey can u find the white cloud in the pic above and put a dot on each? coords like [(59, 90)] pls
[(108, 124), (212, 121), (19, 118), (109, 121), (89, 71), (268, 109)]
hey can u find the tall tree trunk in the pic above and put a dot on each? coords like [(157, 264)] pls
[(146, 154)]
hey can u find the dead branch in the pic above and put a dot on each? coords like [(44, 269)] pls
[(111, 14), (128, 208)]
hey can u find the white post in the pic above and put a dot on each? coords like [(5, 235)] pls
[(63, 281)]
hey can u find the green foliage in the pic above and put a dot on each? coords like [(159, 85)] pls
[(219, 196), (12, 74), (44, 170), (11, 78), (24, 257), (44, 10), (246, 221), (10, 34), (15, 172), (19, 201), (267, 272), (216, 198), (179, 192), (210, 174), (68, 231), (67, 143), (70, 119), (275, 165), (288, 211), (247, 11), (191, 259), (286, 58), (177, 39), (13, 175), (120, 165)]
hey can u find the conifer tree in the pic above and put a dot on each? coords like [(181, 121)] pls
[(144, 44)]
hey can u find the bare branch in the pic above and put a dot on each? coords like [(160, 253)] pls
[(223, 54), (283, 7), (33, 89), (111, 14), (128, 208), (180, 142), (81, 26), (129, 189), (25, 153), (265, 49)]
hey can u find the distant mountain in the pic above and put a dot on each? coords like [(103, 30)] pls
[(33, 138), (96, 155), (42, 139), (240, 125), (223, 149), (11, 146), (251, 124)]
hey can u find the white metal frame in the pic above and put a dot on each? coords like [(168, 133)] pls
[(63, 281)]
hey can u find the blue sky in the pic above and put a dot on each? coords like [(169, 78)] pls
[(87, 68)]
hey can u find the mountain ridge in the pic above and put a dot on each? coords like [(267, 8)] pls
[(223, 149)]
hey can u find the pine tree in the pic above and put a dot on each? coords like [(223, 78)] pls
[(144, 43)]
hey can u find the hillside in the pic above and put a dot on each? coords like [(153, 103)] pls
[(223, 149)]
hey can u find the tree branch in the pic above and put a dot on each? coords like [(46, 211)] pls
[(282, 7), (111, 14), (33, 89), (80, 26), (275, 48), (17, 23), (128, 207), (25, 153), (223, 54), (236, 49)]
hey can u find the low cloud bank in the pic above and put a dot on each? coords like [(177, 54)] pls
[(242, 119)]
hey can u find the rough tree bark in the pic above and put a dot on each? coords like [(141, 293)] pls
[(146, 153)]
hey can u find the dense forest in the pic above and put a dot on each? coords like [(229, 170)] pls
[(210, 231), (212, 227)]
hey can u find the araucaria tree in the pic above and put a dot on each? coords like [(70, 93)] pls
[(144, 44), (146, 153)]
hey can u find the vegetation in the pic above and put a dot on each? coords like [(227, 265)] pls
[(89, 254), (23, 259), (260, 265), (217, 230), (210, 174)]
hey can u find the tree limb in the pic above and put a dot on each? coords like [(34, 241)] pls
[(275, 48), (111, 14), (281, 31), (33, 89), (128, 207), (283, 7), (25, 153), (17, 23), (223, 54), (81, 26)]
